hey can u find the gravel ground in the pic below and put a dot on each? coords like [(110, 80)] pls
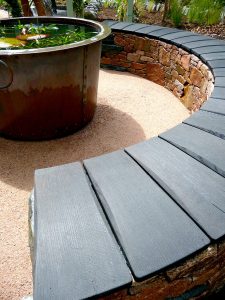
[(130, 109)]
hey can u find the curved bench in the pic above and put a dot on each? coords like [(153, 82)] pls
[(146, 222)]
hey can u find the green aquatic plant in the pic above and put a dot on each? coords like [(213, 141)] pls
[(58, 40), (42, 35)]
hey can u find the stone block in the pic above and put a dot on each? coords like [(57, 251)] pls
[(155, 73), (185, 61), (139, 43), (140, 52), (133, 57), (180, 70), (137, 66), (164, 56), (196, 77), (146, 58)]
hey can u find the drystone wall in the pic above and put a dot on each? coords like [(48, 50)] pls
[(182, 73), (194, 278)]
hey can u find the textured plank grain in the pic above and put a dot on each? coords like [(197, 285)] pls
[(218, 92), (205, 147), (210, 122), (214, 105), (76, 253), (195, 187), (153, 231), (212, 42), (149, 29)]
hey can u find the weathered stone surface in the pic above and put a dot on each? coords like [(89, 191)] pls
[(119, 41), (137, 66), (164, 56), (128, 48), (181, 79), (204, 69), (188, 98), (185, 61), (180, 70), (133, 57), (196, 77), (194, 58), (139, 43), (174, 74), (140, 52), (155, 73), (146, 58)]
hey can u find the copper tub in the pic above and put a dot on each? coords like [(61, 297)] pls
[(49, 92)]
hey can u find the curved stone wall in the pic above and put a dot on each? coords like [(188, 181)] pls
[(182, 73)]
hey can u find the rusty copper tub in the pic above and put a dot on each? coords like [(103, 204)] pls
[(49, 92)]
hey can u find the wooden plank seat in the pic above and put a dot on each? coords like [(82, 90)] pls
[(133, 213)]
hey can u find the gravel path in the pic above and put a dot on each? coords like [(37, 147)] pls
[(130, 109)]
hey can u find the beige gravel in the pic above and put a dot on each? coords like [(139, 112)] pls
[(130, 110)]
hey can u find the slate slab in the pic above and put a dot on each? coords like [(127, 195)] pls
[(161, 32), (177, 34), (218, 92), (210, 49), (203, 146), (219, 72), (135, 27), (152, 230), (190, 38), (210, 122), (213, 56), (120, 25), (214, 105), (148, 29), (205, 43), (196, 188), (220, 81), (217, 63), (76, 253)]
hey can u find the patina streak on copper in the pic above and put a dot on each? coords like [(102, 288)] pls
[(90, 105)]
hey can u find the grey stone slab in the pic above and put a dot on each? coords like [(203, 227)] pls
[(120, 25), (152, 230), (210, 122), (148, 29), (219, 72), (219, 81), (196, 188), (217, 63), (177, 34), (190, 38), (76, 254), (218, 92), (212, 42), (210, 49), (203, 146), (134, 27), (213, 56), (214, 105), (161, 32)]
